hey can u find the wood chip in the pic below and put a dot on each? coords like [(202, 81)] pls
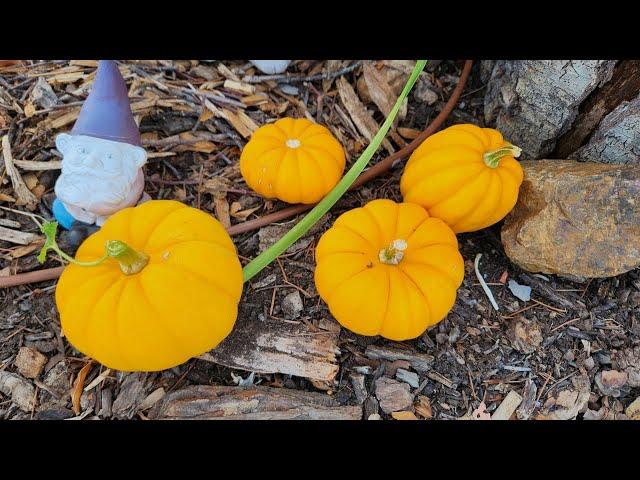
[(17, 237), (204, 402), (243, 88), (274, 346), (508, 406), (25, 197), (419, 362), (362, 119)]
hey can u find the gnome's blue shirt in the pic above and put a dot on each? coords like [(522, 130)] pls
[(63, 217)]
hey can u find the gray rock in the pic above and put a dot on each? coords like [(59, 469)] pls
[(408, 377), (533, 102), (20, 390), (292, 304)]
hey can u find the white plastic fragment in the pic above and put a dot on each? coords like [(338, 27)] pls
[(522, 292), (484, 285), (271, 67)]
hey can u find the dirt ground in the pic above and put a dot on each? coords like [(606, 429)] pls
[(562, 340)]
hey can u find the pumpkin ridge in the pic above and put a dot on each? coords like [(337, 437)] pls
[(158, 315), (479, 133), (306, 127), (255, 162), (90, 281), (375, 221), (436, 269), (117, 322), (410, 279), (471, 184), (286, 134), (317, 133), (274, 177), (463, 184), (337, 286), (348, 228), (120, 281), (509, 172), (315, 163), (199, 276), (437, 169), (330, 154), (386, 303), (157, 226), (475, 208)]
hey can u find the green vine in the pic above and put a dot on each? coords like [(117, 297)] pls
[(303, 226)]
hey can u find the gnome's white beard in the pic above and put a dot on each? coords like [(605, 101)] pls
[(91, 194)]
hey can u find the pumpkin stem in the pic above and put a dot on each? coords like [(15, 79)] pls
[(393, 253), (493, 157), (130, 260)]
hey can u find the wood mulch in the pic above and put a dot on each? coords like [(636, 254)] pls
[(572, 350)]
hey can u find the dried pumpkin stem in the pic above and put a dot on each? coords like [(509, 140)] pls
[(493, 157), (393, 254), (303, 226)]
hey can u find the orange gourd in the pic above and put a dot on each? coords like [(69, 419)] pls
[(466, 175), (169, 293), (294, 160), (388, 269)]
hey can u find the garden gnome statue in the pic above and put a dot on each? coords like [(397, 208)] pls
[(101, 157)]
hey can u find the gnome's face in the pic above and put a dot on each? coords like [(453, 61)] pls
[(99, 176)]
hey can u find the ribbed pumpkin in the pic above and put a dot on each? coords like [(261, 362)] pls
[(388, 269), (465, 175), (294, 160), (178, 300)]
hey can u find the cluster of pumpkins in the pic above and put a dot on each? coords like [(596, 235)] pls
[(386, 268)]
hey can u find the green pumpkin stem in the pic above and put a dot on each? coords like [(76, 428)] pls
[(130, 260), (493, 157)]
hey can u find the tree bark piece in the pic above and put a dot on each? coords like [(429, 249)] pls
[(617, 139), (204, 402), (623, 87), (274, 346), (533, 102), (420, 362), (575, 218)]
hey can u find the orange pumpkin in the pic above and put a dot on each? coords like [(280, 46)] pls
[(466, 175), (294, 160), (388, 269)]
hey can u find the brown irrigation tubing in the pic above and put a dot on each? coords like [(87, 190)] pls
[(373, 172)]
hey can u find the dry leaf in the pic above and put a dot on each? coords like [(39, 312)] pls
[(404, 416), (241, 214), (362, 119), (222, 209), (481, 413), (423, 407), (380, 92), (408, 133), (27, 249)]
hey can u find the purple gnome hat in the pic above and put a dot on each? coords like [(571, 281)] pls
[(106, 112)]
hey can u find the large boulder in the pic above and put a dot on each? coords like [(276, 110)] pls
[(575, 218)]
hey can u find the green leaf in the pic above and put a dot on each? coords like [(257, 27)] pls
[(50, 229)]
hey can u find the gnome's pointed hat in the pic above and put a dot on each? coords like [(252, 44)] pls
[(106, 112)]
